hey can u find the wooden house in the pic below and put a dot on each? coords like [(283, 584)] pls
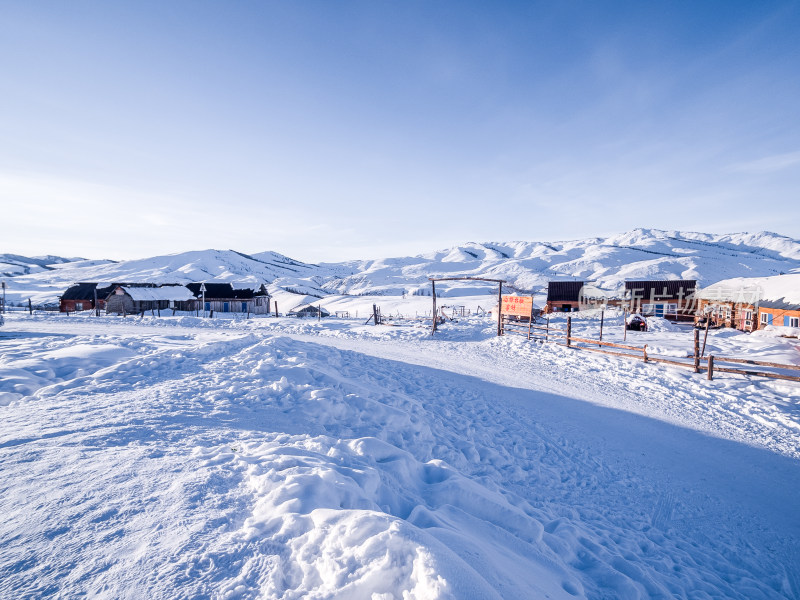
[(309, 310), (227, 298), (563, 296), (667, 298), (82, 296), (751, 303), (729, 303), (134, 299)]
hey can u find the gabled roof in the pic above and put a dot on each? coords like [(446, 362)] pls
[(776, 291), (151, 294), (309, 309), (85, 291), (662, 288), (80, 291), (564, 291)]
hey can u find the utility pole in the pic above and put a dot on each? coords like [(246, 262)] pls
[(203, 290)]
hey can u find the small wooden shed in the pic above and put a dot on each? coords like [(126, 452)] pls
[(81, 296), (563, 296), (668, 298), (224, 297), (133, 299), (310, 310)]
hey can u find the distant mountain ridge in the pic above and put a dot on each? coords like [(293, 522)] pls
[(12, 265), (609, 261), (526, 266)]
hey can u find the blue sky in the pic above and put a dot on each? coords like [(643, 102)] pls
[(339, 130)]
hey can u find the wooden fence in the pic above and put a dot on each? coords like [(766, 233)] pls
[(547, 333)]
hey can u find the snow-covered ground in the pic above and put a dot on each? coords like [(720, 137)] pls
[(285, 458)]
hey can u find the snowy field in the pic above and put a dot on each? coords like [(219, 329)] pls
[(281, 458)]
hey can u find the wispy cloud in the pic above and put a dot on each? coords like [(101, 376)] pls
[(769, 164)]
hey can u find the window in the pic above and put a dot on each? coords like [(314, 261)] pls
[(764, 318), (672, 308), (648, 309), (794, 321), (79, 306)]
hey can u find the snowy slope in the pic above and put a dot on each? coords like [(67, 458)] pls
[(639, 254), (527, 266), (186, 267), (12, 265), (285, 459)]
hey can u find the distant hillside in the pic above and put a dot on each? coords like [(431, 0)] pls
[(527, 266), (638, 254), (12, 265)]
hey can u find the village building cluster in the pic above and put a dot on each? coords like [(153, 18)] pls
[(137, 298), (744, 303)]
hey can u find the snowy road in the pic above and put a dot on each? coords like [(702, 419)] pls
[(280, 460)]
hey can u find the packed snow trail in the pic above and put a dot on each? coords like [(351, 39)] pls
[(177, 463)]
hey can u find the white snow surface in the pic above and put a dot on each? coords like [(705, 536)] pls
[(167, 292), (184, 457)]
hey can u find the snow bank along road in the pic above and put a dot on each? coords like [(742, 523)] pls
[(276, 459)]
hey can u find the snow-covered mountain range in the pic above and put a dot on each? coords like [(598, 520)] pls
[(12, 265), (527, 266)]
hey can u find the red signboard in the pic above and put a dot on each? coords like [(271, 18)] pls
[(519, 306)]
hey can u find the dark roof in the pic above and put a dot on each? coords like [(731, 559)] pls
[(310, 309), (662, 288), (85, 291), (222, 290), (779, 304), (564, 291)]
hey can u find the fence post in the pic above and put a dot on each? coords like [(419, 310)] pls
[(705, 337), (547, 328), (433, 299), (644, 353), (710, 367), (375, 314), (500, 309), (569, 330), (624, 325), (276, 308), (602, 317), (696, 351)]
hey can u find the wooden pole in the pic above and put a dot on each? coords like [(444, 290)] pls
[(499, 309), (547, 328), (96, 307), (319, 313), (624, 324), (276, 308), (374, 314), (710, 367), (696, 351), (30, 307), (433, 296), (644, 353), (569, 330), (530, 320), (602, 318), (705, 337)]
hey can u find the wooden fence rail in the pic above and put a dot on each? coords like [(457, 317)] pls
[(546, 333), (756, 363)]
